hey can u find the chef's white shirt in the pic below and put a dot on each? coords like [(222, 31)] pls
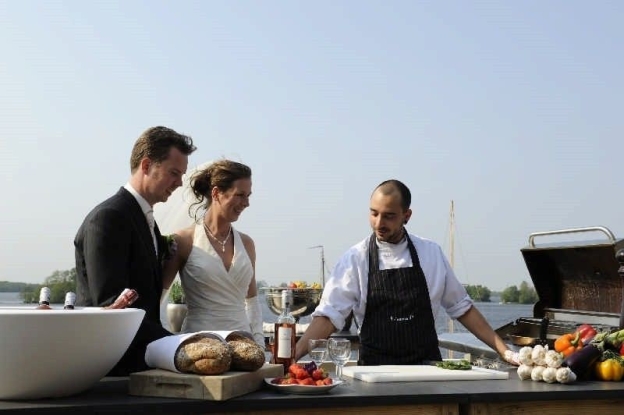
[(347, 286)]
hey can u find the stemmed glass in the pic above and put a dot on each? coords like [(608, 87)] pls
[(317, 350), (339, 350)]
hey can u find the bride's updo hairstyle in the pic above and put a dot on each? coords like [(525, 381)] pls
[(222, 174)]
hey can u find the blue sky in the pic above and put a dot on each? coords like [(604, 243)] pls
[(507, 108)]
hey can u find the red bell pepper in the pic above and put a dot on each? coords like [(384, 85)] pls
[(622, 350), (586, 332)]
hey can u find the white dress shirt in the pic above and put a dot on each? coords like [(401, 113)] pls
[(347, 286), (147, 211)]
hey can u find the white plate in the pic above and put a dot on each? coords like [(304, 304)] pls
[(303, 389)]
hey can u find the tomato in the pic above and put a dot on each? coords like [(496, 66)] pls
[(289, 381), (319, 374), (302, 374), (294, 368)]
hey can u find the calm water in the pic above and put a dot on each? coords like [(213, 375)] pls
[(10, 299), (496, 314)]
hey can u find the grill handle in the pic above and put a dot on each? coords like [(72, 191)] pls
[(572, 230), (619, 255), (544, 331)]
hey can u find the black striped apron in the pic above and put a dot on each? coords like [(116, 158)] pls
[(398, 326)]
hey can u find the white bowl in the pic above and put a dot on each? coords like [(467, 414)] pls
[(54, 353)]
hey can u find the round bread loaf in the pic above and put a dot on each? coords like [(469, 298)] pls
[(203, 355), (247, 355)]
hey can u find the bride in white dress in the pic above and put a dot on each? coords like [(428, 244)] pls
[(216, 262)]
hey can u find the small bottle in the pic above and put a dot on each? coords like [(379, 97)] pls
[(44, 299), (285, 334), (125, 299), (70, 301)]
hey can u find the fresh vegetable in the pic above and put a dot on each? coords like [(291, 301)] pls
[(549, 375), (586, 332), (536, 373), (308, 375), (553, 359), (538, 355), (524, 356), (610, 369), (455, 365), (581, 361), (622, 350), (549, 370), (568, 343), (565, 375), (524, 372), (614, 340)]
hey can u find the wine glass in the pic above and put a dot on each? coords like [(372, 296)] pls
[(317, 350), (339, 350)]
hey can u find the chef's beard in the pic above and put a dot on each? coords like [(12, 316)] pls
[(394, 238)]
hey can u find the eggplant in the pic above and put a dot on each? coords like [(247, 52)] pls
[(581, 361)]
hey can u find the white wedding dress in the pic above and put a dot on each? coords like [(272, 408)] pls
[(215, 296)]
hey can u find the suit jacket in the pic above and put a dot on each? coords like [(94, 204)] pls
[(115, 250)]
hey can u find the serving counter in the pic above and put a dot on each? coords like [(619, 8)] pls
[(482, 397)]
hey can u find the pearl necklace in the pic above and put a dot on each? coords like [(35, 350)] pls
[(217, 239)]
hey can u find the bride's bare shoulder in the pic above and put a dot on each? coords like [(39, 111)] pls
[(184, 238)]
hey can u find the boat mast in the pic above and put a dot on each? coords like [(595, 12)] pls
[(452, 236), (322, 262), (451, 324)]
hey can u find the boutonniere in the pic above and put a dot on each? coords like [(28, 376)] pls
[(171, 247)]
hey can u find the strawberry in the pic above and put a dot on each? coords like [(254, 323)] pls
[(327, 381), (320, 382)]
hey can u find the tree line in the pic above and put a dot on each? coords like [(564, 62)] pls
[(524, 294), (60, 282)]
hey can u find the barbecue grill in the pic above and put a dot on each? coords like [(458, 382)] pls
[(576, 283)]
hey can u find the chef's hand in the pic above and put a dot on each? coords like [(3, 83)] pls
[(511, 357)]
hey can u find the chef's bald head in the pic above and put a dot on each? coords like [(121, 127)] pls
[(396, 188)]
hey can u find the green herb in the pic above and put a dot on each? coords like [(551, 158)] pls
[(455, 364)]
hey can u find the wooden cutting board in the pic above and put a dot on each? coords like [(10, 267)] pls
[(407, 373), (163, 383)]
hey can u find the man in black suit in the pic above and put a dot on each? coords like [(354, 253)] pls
[(117, 248)]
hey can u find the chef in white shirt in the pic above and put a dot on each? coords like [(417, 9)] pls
[(395, 282)]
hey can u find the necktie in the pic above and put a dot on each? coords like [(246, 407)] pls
[(151, 222)]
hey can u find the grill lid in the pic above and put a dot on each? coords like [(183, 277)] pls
[(580, 276)]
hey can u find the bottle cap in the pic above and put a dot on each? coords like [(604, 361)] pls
[(70, 299), (44, 295)]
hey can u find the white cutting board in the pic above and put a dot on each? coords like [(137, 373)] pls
[(409, 373)]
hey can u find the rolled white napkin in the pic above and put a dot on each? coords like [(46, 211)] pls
[(161, 353)]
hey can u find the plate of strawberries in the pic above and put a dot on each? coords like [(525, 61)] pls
[(305, 379)]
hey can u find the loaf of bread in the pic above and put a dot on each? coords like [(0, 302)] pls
[(247, 355), (203, 355)]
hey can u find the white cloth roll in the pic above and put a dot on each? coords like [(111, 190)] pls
[(254, 315)]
